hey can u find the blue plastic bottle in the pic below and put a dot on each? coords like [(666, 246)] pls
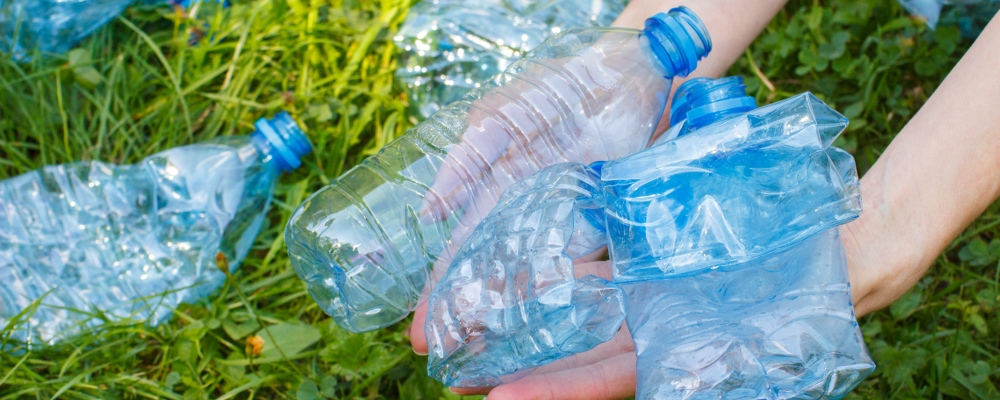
[(367, 244), (510, 300), (724, 241), (97, 236)]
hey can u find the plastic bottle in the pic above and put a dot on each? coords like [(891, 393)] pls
[(724, 241), (134, 241), (55, 26), (367, 244), (451, 46), (930, 10), (781, 326), (510, 300)]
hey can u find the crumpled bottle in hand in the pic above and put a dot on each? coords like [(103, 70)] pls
[(511, 299), (724, 241)]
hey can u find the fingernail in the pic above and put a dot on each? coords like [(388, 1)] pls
[(419, 353)]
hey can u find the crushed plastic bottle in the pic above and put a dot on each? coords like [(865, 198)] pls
[(724, 241), (55, 26), (451, 46), (699, 201), (367, 244), (930, 11), (510, 301), (134, 241), (779, 327)]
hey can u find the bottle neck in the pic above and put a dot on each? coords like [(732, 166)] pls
[(680, 106), (280, 141), (716, 100), (678, 39)]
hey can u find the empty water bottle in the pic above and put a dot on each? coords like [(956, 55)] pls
[(366, 244), (779, 327), (50, 25), (930, 10), (135, 241), (451, 46), (699, 201), (510, 300), (725, 245), (55, 26)]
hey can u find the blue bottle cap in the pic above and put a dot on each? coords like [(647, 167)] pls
[(287, 141), (716, 100), (680, 106), (678, 39)]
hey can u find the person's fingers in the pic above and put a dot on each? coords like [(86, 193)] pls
[(613, 378), (621, 343), (600, 269), (471, 391), (417, 338), (596, 255)]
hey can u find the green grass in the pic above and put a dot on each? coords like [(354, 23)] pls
[(136, 87)]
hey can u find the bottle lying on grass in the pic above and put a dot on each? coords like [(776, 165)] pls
[(449, 47), (367, 244), (930, 10), (95, 241), (55, 26), (724, 242)]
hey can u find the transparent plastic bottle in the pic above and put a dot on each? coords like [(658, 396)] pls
[(930, 10), (510, 300), (724, 241), (781, 326), (134, 241), (449, 47), (55, 26), (367, 244), (52, 25)]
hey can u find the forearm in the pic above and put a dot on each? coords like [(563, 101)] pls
[(938, 174), (732, 24)]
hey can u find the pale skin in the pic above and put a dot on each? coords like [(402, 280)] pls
[(938, 174)]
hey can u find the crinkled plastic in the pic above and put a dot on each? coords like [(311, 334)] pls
[(725, 243), (700, 201), (781, 326), (134, 241), (451, 46), (55, 26), (381, 234), (511, 300)]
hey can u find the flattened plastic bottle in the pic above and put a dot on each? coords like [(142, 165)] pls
[(724, 241), (449, 47), (134, 241), (55, 26), (367, 244), (511, 300), (930, 10)]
